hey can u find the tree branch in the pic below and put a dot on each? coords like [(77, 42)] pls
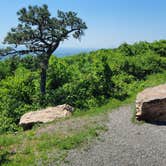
[(20, 52)]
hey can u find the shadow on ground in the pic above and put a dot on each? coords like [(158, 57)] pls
[(159, 123)]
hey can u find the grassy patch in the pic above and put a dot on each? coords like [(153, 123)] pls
[(36, 147)]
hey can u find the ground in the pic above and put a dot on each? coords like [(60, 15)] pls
[(105, 139), (125, 143)]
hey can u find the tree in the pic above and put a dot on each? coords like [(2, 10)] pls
[(41, 34)]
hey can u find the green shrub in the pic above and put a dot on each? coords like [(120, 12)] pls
[(16, 96)]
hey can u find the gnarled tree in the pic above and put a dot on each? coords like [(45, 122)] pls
[(41, 34)]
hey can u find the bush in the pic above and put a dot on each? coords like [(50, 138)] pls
[(16, 96)]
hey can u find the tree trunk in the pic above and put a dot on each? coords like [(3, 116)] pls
[(43, 77), (44, 66), (43, 74)]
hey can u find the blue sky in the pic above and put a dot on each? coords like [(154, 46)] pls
[(110, 22)]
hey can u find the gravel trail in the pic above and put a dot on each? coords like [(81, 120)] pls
[(125, 144)]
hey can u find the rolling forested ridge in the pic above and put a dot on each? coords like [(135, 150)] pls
[(85, 81)]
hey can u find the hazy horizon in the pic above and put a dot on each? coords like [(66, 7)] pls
[(67, 51)]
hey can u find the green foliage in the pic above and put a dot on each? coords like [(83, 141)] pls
[(58, 73), (16, 96), (142, 65), (135, 49), (4, 70), (80, 91), (159, 47), (84, 81)]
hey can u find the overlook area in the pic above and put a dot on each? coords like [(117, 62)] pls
[(79, 109), (82, 81)]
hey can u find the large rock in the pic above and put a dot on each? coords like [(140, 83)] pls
[(151, 104), (45, 115)]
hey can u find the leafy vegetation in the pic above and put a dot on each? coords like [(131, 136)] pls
[(84, 81)]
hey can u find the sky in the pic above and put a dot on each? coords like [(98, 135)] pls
[(110, 22)]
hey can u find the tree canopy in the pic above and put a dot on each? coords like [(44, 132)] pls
[(40, 34)]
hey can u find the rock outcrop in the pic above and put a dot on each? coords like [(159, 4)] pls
[(151, 104), (45, 115)]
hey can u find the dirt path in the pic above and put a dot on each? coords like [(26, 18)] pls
[(125, 144)]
